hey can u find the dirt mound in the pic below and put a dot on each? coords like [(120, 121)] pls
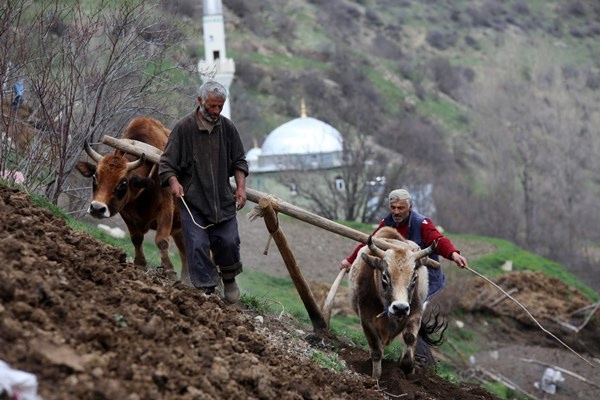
[(90, 325), (544, 296)]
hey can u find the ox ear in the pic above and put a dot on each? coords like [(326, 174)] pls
[(86, 169), (373, 262), (141, 182)]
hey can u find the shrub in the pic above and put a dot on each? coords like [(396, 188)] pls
[(441, 40), (592, 80)]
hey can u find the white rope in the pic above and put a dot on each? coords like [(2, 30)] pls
[(531, 316), (192, 217)]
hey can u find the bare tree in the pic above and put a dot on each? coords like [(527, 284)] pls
[(87, 72), (536, 132)]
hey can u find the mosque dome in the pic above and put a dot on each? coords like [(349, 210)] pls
[(253, 154), (304, 135)]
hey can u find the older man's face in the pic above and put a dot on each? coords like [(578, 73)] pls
[(211, 108), (400, 210)]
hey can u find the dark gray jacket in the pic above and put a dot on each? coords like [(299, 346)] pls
[(203, 162)]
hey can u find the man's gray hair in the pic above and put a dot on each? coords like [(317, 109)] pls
[(400, 194), (213, 87)]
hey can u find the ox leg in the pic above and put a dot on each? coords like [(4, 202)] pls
[(137, 239), (185, 271), (163, 244), (411, 330), (375, 348), (164, 222)]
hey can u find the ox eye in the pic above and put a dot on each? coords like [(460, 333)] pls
[(94, 181), (385, 280), (121, 189), (412, 281)]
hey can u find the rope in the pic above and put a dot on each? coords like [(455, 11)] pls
[(192, 217), (531, 316)]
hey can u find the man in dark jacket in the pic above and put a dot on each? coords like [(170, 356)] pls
[(204, 150)]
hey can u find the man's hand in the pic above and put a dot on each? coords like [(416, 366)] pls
[(459, 260), (176, 188), (240, 199), (345, 265)]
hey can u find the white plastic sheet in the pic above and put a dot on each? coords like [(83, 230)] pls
[(19, 385)]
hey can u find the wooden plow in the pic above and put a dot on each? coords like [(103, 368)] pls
[(268, 207)]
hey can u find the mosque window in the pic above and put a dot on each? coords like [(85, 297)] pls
[(293, 189), (339, 183)]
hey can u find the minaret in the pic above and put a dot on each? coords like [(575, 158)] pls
[(216, 65)]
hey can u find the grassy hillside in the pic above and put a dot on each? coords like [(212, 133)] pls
[(273, 295)]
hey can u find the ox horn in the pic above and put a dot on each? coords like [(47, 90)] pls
[(425, 252), (94, 155), (376, 250), (136, 164)]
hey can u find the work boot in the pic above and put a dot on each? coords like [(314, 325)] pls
[(231, 291), (423, 355)]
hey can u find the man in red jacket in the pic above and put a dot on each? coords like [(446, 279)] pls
[(418, 228)]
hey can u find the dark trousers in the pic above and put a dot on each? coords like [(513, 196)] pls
[(222, 240)]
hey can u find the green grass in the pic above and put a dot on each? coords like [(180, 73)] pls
[(393, 95), (326, 360), (283, 61), (448, 112)]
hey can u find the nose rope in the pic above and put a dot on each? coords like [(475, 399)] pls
[(192, 217), (386, 311)]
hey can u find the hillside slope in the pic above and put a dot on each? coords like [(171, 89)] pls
[(91, 326)]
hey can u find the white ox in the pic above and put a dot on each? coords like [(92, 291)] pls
[(387, 290)]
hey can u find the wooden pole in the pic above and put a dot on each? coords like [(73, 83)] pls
[(328, 304), (134, 147), (153, 155), (306, 295)]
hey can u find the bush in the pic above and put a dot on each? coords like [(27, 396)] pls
[(189, 8), (472, 42), (441, 40), (444, 75), (575, 9), (592, 80)]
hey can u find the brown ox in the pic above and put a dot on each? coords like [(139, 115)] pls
[(131, 188), (387, 291)]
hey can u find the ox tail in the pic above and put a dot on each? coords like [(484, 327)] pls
[(433, 327)]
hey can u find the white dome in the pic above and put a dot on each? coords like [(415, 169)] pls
[(303, 136), (253, 154)]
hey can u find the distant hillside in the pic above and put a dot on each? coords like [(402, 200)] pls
[(493, 102)]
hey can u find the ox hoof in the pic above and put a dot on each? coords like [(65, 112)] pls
[(167, 273), (407, 365)]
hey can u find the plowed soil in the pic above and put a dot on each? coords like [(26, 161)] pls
[(90, 325)]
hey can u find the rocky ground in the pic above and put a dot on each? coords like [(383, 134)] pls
[(89, 325)]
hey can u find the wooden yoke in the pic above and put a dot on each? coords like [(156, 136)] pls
[(269, 206), (306, 295)]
